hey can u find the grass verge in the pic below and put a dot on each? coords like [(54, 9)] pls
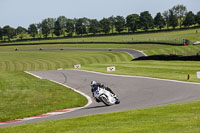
[(173, 36), (22, 95), (176, 70), (178, 118)]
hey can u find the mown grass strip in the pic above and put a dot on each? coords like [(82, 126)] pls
[(176, 70), (176, 118), (22, 95), (173, 36)]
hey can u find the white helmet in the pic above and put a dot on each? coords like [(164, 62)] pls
[(93, 83)]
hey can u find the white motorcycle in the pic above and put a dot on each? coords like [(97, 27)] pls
[(102, 95)]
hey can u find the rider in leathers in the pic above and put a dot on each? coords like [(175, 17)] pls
[(95, 86)]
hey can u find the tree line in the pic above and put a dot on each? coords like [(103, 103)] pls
[(62, 26)]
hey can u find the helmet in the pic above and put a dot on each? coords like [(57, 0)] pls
[(93, 83)]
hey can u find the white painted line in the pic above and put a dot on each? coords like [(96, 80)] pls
[(142, 52), (72, 109), (33, 75), (88, 98), (127, 76), (54, 112)]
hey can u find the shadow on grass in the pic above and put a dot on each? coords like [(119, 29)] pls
[(169, 58)]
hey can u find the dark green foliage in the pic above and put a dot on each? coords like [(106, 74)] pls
[(189, 19), (105, 25), (146, 20), (180, 11), (119, 23), (132, 22), (70, 26), (81, 25), (51, 25), (166, 18), (112, 23), (32, 30), (197, 18), (21, 31), (94, 26), (57, 30), (159, 21), (39, 27), (1, 33), (62, 23), (45, 28), (9, 32), (173, 19)]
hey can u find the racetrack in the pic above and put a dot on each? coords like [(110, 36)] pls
[(133, 92)]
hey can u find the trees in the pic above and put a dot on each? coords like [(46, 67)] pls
[(62, 23), (80, 26), (39, 27), (9, 32), (70, 26), (159, 21), (119, 23), (170, 18), (105, 25), (146, 20), (1, 33), (180, 11), (21, 31), (197, 18), (173, 20), (112, 23), (94, 26), (32, 30), (51, 25), (45, 28), (189, 19), (57, 28), (166, 18), (132, 22)]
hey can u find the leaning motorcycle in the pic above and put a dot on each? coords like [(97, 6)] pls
[(102, 95)]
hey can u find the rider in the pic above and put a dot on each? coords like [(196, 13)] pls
[(95, 86)]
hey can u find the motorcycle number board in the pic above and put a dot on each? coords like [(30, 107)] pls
[(109, 69)]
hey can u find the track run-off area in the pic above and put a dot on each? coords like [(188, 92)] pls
[(134, 92)]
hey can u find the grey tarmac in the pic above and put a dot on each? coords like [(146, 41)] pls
[(134, 92)]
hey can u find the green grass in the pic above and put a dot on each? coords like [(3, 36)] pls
[(176, 70), (177, 50), (174, 36), (179, 118), (22, 95), (51, 60), (168, 119)]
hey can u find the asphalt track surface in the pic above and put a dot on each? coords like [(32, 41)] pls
[(132, 52), (134, 92)]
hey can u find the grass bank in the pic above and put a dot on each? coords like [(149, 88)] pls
[(22, 95), (176, 70), (171, 37), (52, 60), (179, 118)]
